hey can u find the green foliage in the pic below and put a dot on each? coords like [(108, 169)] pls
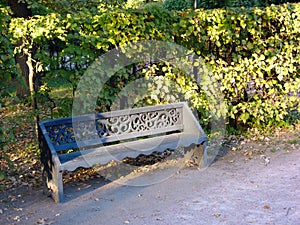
[(136, 4), (7, 62), (252, 53), (65, 7), (248, 3), (178, 4), (212, 4)]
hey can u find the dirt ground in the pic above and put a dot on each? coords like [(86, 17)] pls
[(241, 187)]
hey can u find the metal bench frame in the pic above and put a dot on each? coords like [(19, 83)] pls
[(102, 137)]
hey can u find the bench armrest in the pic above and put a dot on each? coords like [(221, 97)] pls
[(46, 144), (190, 123)]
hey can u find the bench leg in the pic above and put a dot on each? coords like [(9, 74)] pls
[(199, 156), (53, 184), (46, 190), (58, 191)]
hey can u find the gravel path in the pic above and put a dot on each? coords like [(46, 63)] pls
[(230, 191)]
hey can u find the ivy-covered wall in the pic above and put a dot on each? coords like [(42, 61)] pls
[(254, 53)]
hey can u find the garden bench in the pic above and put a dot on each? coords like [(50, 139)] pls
[(87, 140)]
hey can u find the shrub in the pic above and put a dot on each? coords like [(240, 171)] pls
[(178, 4), (7, 62), (253, 53)]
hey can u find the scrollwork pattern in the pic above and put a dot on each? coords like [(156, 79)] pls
[(62, 133), (117, 125)]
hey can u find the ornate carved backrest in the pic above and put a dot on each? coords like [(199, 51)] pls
[(103, 128)]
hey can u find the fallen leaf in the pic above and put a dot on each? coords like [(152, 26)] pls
[(217, 215), (266, 207), (183, 217), (18, 209), (16, 218), (42, 220)]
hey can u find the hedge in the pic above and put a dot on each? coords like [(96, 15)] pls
[(253, 53)]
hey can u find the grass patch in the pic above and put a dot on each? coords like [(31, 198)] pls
[(292, 142), (273, 149)]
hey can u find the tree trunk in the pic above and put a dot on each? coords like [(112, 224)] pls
[(25, 83), (20, 9), (22, 82), (31, 79)]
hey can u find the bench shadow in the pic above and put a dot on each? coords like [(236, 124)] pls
[(219, 150), (76, 189), (129, 172), (137, 169)]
